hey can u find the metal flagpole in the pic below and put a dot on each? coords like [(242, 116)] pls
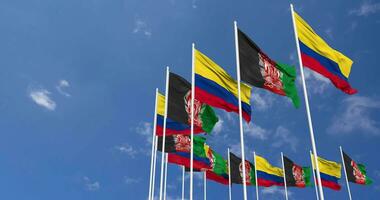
[(192, 120), (166, 174), (229, 175), (283, 169), (315, 178), (307, 105), (345, 173), (154, 166), (164, 132), (257, 183), (183, 182), (204, 186), (240, 111), (153, 142)]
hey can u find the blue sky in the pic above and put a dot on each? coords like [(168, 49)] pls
[(77, 88)]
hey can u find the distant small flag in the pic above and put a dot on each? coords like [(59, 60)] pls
[(356, 173), (172, 127), (179, 105), (237, 171), (317, 55), (330, 172), (296, 175), (268, 175), (179, 143), (211, 176), (219, 167), (218, 89), (258, 70)]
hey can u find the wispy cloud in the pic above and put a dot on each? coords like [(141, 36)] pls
[(42, 98), (91, 185), (218, 126), (262, 100), (62, 85), (283, 137), (127, 149), (317, 83), (275, 191), (366, 8), (130, 180), (356, 115), (142, 28), (194, 4), (329, 33), (145, 129), (256, 131)]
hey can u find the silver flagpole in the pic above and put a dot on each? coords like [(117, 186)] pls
[(192, 121), (204, 186), (166, 174), (345, 173), (153, 142), (240, 111), (229, 175), (314, 178), (154, 166), (164, 133), (283, 169), (257, 183), (183, 182), (314, 147)]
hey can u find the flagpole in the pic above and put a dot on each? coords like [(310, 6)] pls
[(257, 183), (154, 166), (345, 172), (204, 186), (153, 142), (166, 174), (307, 105), (240, 111), (164, 132), (192, 121), (283, 169), (229, 175), (315, 178), (183, 182)]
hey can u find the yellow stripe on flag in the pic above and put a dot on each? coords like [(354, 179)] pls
[(208, 69), (263, 165), (328, 167), (161, 104), (307, 35)]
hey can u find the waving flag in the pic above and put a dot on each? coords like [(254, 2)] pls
[(257, 69), (216, 88), (356, 173), (268, 175), (237, 171), (219, 167), (296, 175), (317, 55), (330, 172)]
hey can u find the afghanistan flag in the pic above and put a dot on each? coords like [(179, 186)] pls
[(356, 173), (237, 171), (296, 175), (257, 69), (212, 176), (219, 167), (179, 105), (179, 143)]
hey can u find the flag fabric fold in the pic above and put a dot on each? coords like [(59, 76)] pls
[(236, 173), (216, 88), (296, 176), (257, 69), (330, 172), (317, 55), (268, 175), (356, 172)]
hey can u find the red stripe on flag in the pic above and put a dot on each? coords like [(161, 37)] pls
[(159, 131), (220, 179), (268, 183), (179, 160)]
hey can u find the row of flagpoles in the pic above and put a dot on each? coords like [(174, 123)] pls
[(164, 156)]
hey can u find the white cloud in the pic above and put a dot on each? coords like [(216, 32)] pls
[(41, 97), (262, 101), (142, 27), (127, 149), (218, 127), (194, 4), (256, 131), (62, 84), (329, 32), (275, 191), (356, 115), (283, 137), (91, 185), (129, 180), (145, 129), (366, 8), (315, 82)]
